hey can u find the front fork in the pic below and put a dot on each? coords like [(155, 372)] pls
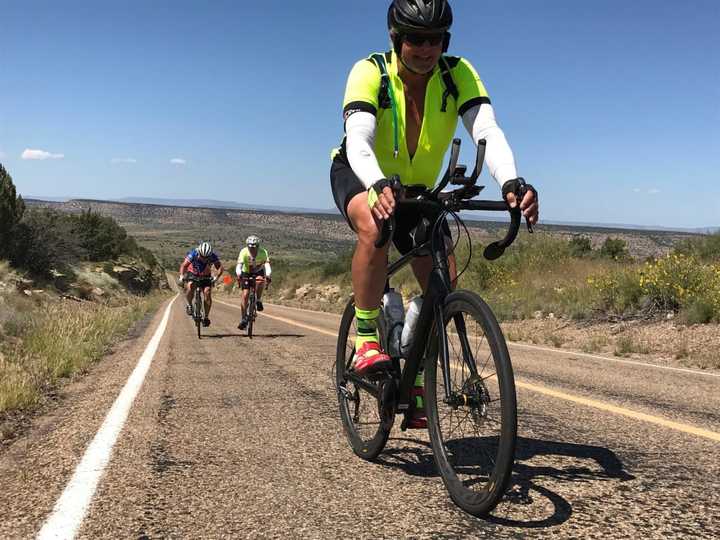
[(451, 398)]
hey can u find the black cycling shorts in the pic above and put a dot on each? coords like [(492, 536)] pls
[(246, 280), (345, 185)]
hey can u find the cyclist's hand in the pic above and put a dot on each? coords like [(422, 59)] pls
[(381, 200), (530, 205), (268, 280), (181, 280), (213, 280)]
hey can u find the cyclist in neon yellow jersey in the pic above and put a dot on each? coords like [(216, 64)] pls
[(253, 261), (400, 111)]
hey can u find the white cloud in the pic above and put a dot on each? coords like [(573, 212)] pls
[(123, 160), (653, 191), (178, 161), (636, 190), (29, 153)]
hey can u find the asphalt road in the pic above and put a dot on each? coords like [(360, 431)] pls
[(231, 437)]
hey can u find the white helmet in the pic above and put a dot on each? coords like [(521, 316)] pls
[(252, 241), (204, 249)]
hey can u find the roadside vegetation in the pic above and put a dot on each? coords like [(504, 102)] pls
[(545, 286), (44, 340), (70, 287), (569, 279)]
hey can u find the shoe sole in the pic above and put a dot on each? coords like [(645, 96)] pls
[(375, 368)]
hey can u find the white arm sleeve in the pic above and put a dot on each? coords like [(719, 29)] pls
[(480, 123), (238, 269), (360, 144), (268, 270)]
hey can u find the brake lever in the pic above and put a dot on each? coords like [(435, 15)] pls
[(519, 196)]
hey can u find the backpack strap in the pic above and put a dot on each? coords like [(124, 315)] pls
[(386, 97), (450, 87), (380, 61)]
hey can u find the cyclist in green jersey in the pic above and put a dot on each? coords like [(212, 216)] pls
[(253, 261), (400, 111)]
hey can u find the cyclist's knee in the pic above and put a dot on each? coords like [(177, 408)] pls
[(363, 222)]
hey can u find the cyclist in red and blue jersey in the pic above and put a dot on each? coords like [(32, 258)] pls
[(199, 262)]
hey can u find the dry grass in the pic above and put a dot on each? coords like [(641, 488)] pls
[(58, 339), (626, 345)]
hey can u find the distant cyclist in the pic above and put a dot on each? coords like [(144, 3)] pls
[(199, 263), (400, 113), (253, 261)]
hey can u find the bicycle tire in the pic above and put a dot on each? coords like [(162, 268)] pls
[(198, 310), (367, 437), (251, 315), (475, 469)]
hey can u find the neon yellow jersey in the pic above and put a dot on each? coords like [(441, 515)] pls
[(438, 128), (248, 264)]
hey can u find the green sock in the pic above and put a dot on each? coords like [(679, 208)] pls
[(419, 383), (366, 326)]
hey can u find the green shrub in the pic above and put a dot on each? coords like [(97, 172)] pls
[(44, 240), (706, 248), (580, 246), (699, 311), (615, 249), (618, 291)]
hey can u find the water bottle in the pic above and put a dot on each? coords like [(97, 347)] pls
[(394, 316), (411, 318)]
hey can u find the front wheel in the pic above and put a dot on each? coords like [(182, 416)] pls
[(198, 309), (473, 430), (366, 425), (251, 315)]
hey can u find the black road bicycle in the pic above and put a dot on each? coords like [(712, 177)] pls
[(251, 308), (198, 306), (469, 385)]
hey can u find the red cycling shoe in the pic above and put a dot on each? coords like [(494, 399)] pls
[(417, 419), (370, 357)]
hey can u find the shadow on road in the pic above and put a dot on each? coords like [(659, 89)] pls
[(255, 336), (416, 459)]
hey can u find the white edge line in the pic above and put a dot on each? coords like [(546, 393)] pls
[(70, 509), (566, 352)]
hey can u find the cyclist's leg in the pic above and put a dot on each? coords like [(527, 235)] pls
[(207, 295), (189, 290), (260, 285), (369, 264), (244, 298)]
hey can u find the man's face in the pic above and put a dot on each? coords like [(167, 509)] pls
[(421, 52), (253, 250)]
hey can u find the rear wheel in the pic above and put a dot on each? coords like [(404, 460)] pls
[(366, 425), (473, 432)]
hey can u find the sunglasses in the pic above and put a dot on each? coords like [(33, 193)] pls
[(419, 39)]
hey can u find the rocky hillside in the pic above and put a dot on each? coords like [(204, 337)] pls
[(320, 233)]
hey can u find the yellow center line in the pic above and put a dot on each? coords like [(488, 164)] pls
[(288, 321), (601, 405), (685, 428)]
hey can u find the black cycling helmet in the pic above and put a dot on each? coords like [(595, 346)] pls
[(413, 16)]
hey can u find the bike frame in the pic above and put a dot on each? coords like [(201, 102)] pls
[(430, 318), (439, 284)]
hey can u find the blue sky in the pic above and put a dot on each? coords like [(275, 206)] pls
[(612, 108)]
